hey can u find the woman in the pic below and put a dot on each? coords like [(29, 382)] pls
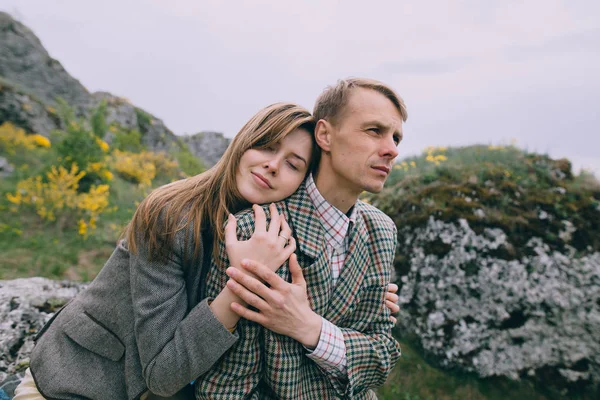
[(142, 326)]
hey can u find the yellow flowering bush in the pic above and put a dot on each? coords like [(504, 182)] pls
[(435, 158), (103, 145), (100, 169), (13, 138), (142, 167), (57, 198)]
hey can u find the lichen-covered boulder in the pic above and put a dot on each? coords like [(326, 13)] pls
[(25, 306), (498, 262), (530, 317)]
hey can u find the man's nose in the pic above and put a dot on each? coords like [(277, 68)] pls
[(389, 148)]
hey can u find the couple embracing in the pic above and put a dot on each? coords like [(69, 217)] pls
[(289, 300)]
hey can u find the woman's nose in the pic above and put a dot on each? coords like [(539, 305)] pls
[(272, 165)]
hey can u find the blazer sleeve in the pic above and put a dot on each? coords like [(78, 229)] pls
[(175, 347)]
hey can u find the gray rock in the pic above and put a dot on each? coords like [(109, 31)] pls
[(25, 306), (26, 111), (31, 81), (5, 168), (118, 110), (209, 146), (473, 311), (25, 61)]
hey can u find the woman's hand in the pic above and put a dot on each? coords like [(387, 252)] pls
[(391, 300), (283, 307), (270, 247)]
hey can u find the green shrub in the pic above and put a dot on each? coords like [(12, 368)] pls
[(129, 141), (98, 120), (189, 163)]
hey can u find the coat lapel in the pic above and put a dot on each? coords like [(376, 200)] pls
[(357, 262), (312, 248)]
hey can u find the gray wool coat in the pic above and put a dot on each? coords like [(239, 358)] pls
[(139, 326)]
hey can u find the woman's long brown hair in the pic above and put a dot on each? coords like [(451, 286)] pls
[(206, 199)]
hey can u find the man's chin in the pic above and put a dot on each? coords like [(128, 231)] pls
[(373, 188)]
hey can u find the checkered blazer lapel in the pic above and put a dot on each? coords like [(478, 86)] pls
[(331, 303), (312, 248), (353, 272)]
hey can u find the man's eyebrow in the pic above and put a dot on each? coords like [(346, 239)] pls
[(382, 126)]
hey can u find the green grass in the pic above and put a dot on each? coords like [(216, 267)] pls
[(32, 247), (414, 378)]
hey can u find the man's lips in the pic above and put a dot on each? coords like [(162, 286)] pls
[(383, 168), (262, 179)]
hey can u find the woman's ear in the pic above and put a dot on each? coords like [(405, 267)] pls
[(323, 131)]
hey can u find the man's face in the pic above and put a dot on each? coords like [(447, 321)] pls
[(363, 143)]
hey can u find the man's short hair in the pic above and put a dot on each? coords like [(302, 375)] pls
[(331, 102)]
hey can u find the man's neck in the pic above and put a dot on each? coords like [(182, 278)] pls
[(332, 190)]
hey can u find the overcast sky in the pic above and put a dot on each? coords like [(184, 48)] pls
[(472, 72)]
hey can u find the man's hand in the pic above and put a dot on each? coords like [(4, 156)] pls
[(270, 247), (283, 308), (391, 301)]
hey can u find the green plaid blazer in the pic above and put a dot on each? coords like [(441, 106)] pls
[(266, 365)]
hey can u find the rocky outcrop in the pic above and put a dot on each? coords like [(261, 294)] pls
[(25, 306), (26, 110), (25, 61), (209, 146), (534, 317), (31, 81), (155, 135)]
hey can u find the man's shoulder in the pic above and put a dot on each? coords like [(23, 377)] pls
[(374, 217)]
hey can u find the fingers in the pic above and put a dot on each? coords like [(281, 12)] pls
[(296, 271), (231, 230), (264, 273), (391, 297), (246, 295), (392, 288), (248, 314), (249, 283), (285, 253), (394, 320), (260, 219), (285, 228), (394, 308), (275, 223)]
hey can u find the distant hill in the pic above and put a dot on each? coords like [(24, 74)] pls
[(31, 81)]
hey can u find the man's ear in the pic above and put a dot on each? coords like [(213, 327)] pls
[(323, 131)]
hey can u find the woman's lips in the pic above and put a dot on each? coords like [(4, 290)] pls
[(261, 180)]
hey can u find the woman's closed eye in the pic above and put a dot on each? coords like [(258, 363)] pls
[(292, 166)]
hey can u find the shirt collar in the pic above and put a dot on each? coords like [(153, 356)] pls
[(335, 223)]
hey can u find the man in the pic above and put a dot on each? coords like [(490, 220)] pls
[(328, 332)]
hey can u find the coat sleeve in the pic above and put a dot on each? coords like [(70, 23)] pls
[(175, 347), (372, 351)]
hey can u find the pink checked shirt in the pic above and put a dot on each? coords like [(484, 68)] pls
[(330, 352)]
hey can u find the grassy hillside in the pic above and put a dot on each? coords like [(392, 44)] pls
[(70, 196)]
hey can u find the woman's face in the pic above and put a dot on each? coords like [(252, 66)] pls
[(274, 173)]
